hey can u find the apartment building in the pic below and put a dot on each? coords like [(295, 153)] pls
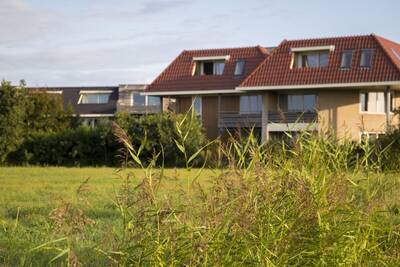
[(348, 85)]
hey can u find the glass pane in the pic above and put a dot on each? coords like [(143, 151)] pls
[(197, 105), (138, 100), (380, 102), (84, 99), (283, 102), (239, 68), (244, 104), (323, 59), (219, 68), (366, 56), (311, 60), (208, 68), (103, 98), (310, 102), (346, 59), (295, 103), (153, 101), (364, 101)]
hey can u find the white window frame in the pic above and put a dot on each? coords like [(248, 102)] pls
[(297, 59), (384, 104), (200, 112), (200, 64), (81, 94)]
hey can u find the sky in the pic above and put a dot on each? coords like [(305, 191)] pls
[(111, 42)]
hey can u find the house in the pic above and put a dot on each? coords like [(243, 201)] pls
[(348, 85), (100, 102)]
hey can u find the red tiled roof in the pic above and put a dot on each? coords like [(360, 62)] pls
[(276, 71), (178, 76)]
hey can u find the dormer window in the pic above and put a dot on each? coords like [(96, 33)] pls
[(209, 68), (239, 67), (209, 65), (347, 58), (311, 57), (366, 58), (94, 97)]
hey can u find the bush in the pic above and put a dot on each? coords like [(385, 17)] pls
[(159, 133), (85, 146)]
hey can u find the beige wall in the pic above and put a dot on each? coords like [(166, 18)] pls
[(339, 110)]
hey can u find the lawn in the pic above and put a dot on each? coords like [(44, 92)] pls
[(34, 191), (265, 217), (29, 194)]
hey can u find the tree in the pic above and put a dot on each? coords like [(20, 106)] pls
[(12, 113), (45, 112)]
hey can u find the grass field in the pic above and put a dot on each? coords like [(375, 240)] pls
[(34, 191), (29, 194), (308, 210)]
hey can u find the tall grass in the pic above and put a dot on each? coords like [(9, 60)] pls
[(313, 202)]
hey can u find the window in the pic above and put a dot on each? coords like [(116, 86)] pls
[(372, 102), (209, 68), (347, 58), (138, 100), (141, 100), (153, 101), (311, 59), (196, 101), (371, 136), (250, 104), (94, 98), (297, 103), (239, 68), (366, 58)]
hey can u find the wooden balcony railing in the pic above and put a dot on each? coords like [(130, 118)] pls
[(246, 120), (139, 109)]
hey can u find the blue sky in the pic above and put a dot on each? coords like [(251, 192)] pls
[(103, 42)]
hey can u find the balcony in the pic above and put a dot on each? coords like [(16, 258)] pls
[(139, 109), (277, 121)]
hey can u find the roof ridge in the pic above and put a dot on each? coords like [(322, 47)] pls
[(263, 50), (222, 48), (378, 39), (329, 37)]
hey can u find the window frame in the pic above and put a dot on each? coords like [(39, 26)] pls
[(243, 67), (303, 102), (258, 101), (200, 111), (81, 95), (298, 58), (392, 105), (199, 67), (371, 58), (345, 51)]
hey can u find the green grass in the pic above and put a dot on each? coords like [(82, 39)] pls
[(35, 191), (314, 203)]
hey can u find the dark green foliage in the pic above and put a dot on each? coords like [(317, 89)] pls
[(12, 113), (159, 132), (45, 112), (83, 146)]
